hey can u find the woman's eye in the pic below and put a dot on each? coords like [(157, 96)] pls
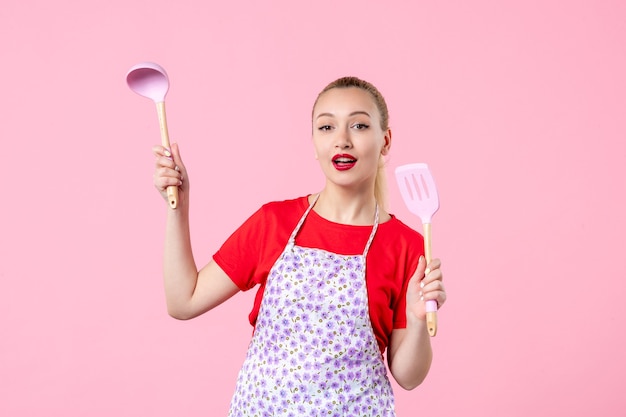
[(324, 128), (360, 126)]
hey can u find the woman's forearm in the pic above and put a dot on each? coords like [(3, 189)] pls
[(411, 357), (180, 272)]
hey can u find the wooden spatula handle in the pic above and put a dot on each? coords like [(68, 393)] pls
[(431, 305), (172, 190)]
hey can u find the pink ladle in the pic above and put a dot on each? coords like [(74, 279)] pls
[(150, 80)]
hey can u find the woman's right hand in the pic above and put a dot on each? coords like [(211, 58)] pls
[(170, 171)]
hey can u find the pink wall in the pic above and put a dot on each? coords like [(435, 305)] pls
[(519, 108)]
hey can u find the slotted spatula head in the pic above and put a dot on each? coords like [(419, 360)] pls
[(418, 190)]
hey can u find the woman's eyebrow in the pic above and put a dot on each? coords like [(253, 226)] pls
[(354, 113)]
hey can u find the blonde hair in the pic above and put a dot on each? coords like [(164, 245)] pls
[(380, 183)]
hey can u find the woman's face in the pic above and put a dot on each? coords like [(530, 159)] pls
[(347, 136)]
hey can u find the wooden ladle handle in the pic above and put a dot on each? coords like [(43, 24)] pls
[(172, 190)]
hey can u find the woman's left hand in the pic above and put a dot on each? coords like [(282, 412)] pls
[(426, 284)]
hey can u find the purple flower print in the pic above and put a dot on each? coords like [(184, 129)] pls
[(330, 325)]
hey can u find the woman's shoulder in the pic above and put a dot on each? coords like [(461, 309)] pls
[(285, 207), (396, 229)]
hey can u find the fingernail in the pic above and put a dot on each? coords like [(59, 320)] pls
[(422, 284), (167, 153), (421, 258), (427, 271)]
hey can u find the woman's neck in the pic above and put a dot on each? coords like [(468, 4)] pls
[(340, 206)]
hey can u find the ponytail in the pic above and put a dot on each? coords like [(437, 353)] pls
[(380, 184)]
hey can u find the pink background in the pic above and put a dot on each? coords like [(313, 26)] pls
[(518, 107)]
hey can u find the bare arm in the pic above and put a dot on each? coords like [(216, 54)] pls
[(410, 353), (188, 292)]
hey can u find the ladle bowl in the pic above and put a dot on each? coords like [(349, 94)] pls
[(150, 80)]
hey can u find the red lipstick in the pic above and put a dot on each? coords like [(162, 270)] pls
[(344, 161)]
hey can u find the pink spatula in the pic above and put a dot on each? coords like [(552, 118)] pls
[(150, 80), (419, 193)]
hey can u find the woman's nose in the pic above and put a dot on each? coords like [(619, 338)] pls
[(343, 140)]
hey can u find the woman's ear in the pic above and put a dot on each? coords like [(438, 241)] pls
[(387, 144)]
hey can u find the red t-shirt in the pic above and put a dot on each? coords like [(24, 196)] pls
[(248, 255)]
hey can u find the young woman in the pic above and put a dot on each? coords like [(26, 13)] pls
[(340, 280)]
